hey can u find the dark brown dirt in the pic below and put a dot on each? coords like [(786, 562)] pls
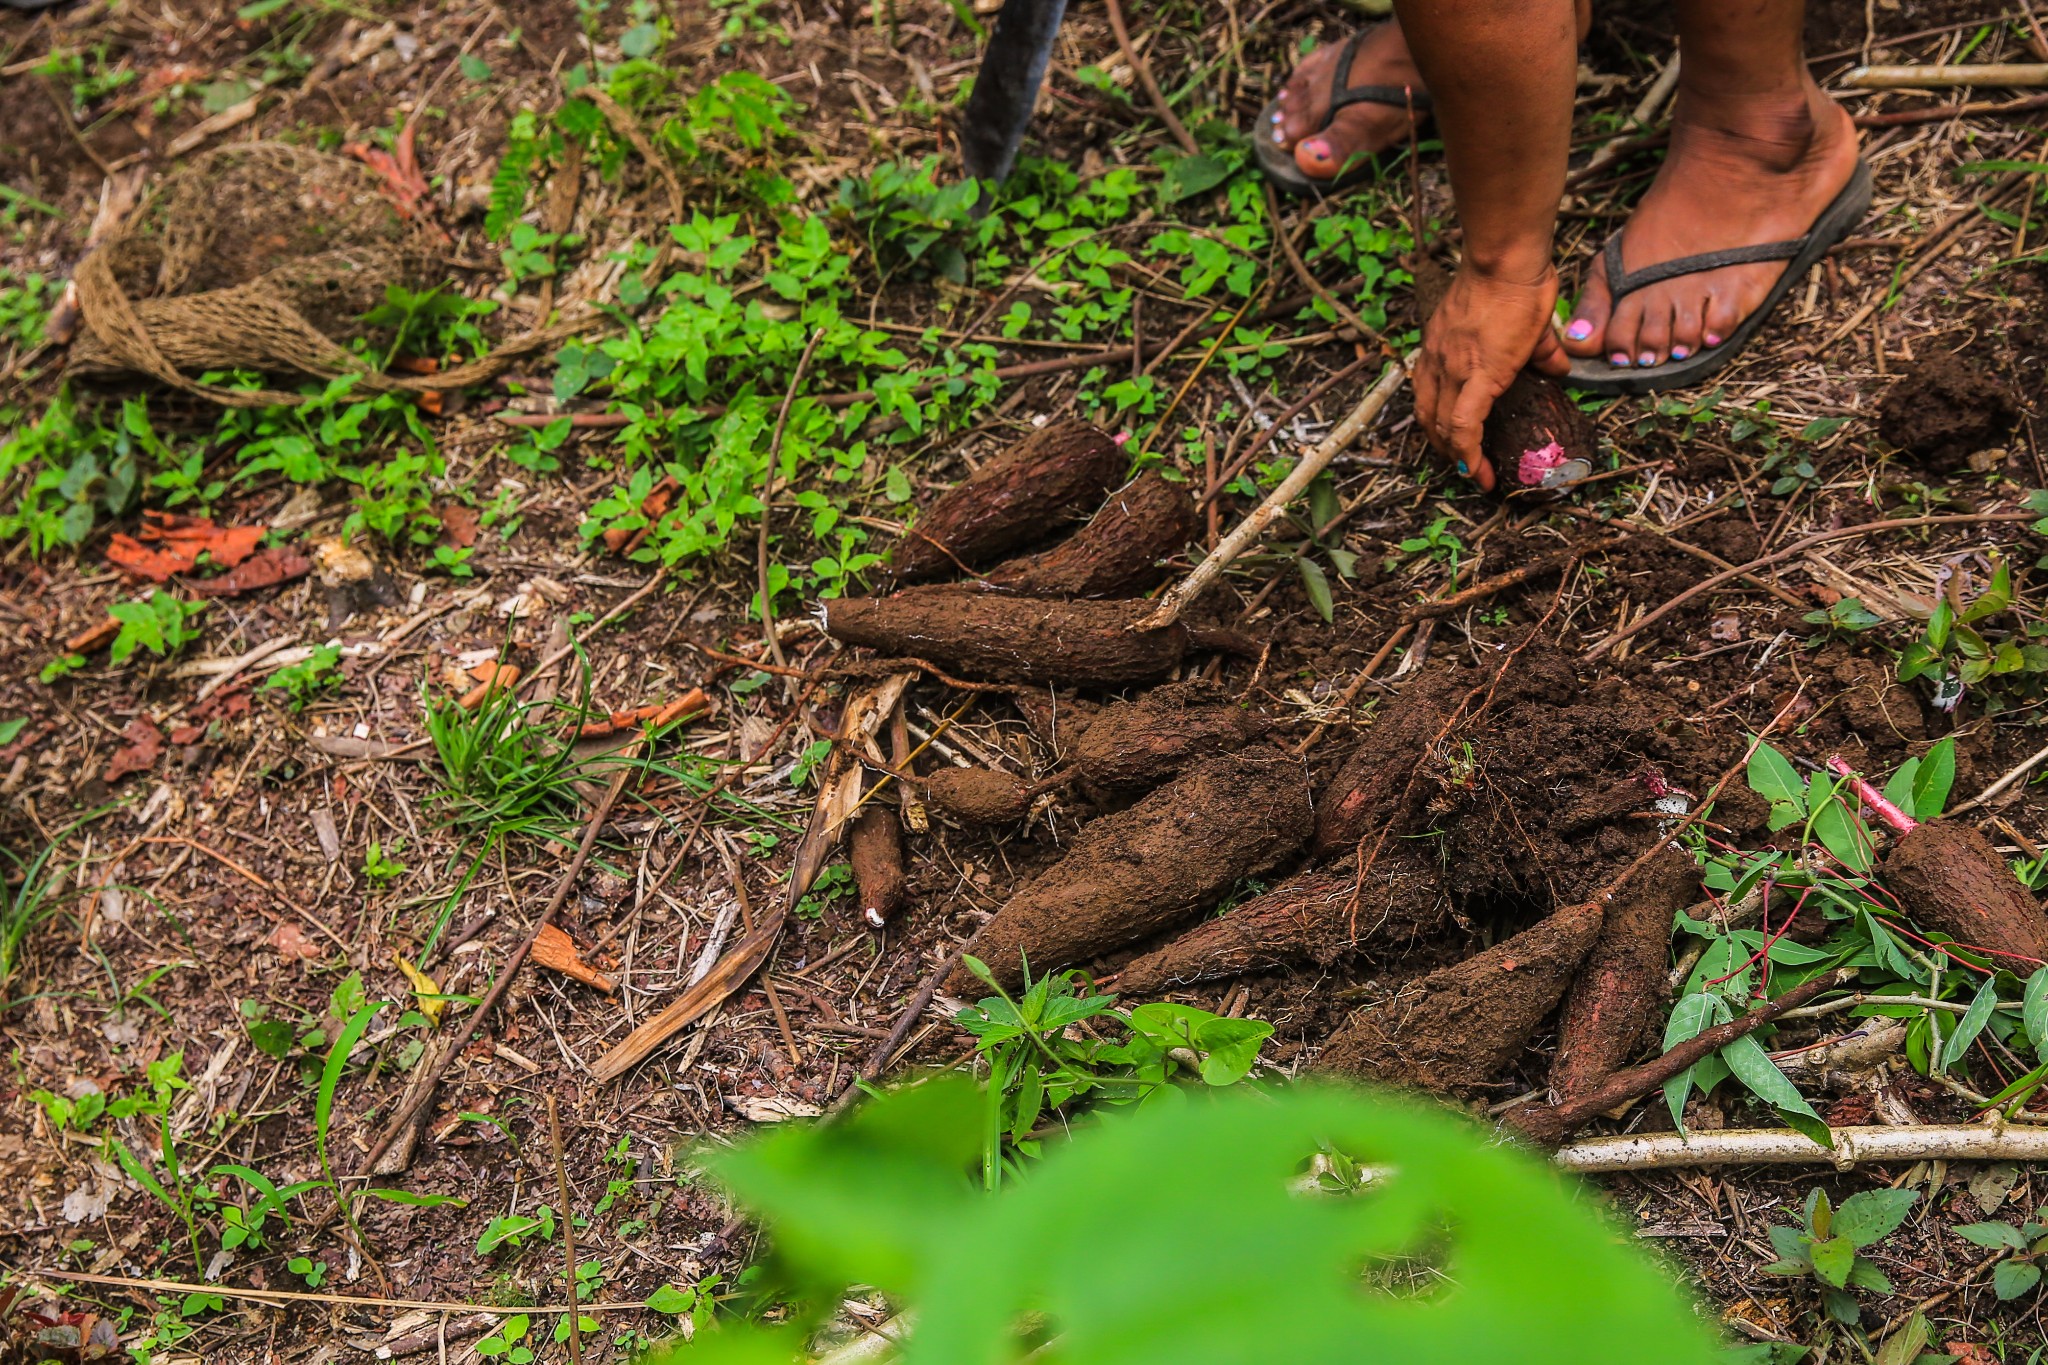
[(1532, 415), (1135, 745), (1457, 1029), (1013, 639), (1950, 879), (979, 796), (1119, 552), (875, 849), (1945, 409), (1624, 988), (1053, 477), (1307, 920), (1134, 873)]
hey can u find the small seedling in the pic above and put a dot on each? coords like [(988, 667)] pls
[(453, 560), (381, 865), (2019, 1273), (306, 679), (1830, 1246), (1846, 618), (162, 625), (313, 1272), (512, 1230)]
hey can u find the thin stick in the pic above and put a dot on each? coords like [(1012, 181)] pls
[(1944, 77), (424, 1094), (905, 1021), (1783, 1147), (1645, 110), (1937, 246), (1143, 72), (300, 1296), (1941, 113), (1797, 547), (768, 499), (1264, 438), (2011, 776), (1248, 531), (1551, 1123), (568, 1229)]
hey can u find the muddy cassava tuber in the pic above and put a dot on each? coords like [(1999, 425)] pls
[(1137, 744), (1117, 553), (1536, 436), (1133, 873), (998, 638), (1052, 478)]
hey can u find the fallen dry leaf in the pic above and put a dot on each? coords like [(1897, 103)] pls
[(458, 525), (497, 678), (278, 564), (169, 544), (92, 637), (555, 950), (291, 942), (145, 743)]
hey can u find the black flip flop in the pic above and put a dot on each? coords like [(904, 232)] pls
[(1835, 223), (1278, 163)]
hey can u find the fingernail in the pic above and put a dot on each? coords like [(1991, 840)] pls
[(1579, 330), (1618, 360), (1713, 340), (1647, 358), (1680, 352), (1317, 149)]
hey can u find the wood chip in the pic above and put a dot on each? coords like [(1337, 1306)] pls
[(556, 951)]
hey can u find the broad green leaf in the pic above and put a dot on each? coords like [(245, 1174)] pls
[(1993, 1235), (1231, 1048), (1772, 777), (1832, 1258), (1316, 584), (2034, 1011), (1750, 1064), (671, 1300), (1873, 1215), (1840, 833), (1972, 1024), (1903, 1347), (852, 1203), (1690, 1015), (1933, 779), (1899, 791), (2010, 1279), (1191, 175)]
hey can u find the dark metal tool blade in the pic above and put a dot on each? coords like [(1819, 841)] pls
[(997, 112)]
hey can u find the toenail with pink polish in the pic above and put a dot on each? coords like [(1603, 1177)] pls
[(1619, 360), (1680, 352), (1713, 340), (1579, 330), (1647, 358)]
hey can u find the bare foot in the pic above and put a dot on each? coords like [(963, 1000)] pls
[(1739, 173), (1358, 129)]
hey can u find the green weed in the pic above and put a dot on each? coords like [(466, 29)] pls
[(303, 681), (1964, 647), (160, 624), (1829, 1246)]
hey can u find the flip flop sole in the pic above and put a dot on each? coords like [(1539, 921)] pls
[(1836, 222), (1279, 166)]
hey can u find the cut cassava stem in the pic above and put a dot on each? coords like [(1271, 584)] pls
[(1004, 639), (1535, 427), (1054, 476)]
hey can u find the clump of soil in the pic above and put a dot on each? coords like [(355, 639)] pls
[(1624, 987), (1050, 479), (1950, 879), (1016, 639), (1135, 745), (1945, 409), (1117, 553), (979, 796), (1131, 874), (1457, 1029), (1312, 918)]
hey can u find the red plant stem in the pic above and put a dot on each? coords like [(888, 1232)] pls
[(1873, 798)]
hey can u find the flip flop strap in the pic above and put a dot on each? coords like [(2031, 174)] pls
[(1621, 281), (1342, 96)]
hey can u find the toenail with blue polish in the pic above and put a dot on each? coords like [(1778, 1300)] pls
[(1679, 352), (1618, 360), (1647, 358), (1579, 330), (1462, 469)]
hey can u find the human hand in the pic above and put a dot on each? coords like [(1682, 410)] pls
[(1485, 330)]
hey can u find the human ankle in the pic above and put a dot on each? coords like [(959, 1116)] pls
[(1775, 129)]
